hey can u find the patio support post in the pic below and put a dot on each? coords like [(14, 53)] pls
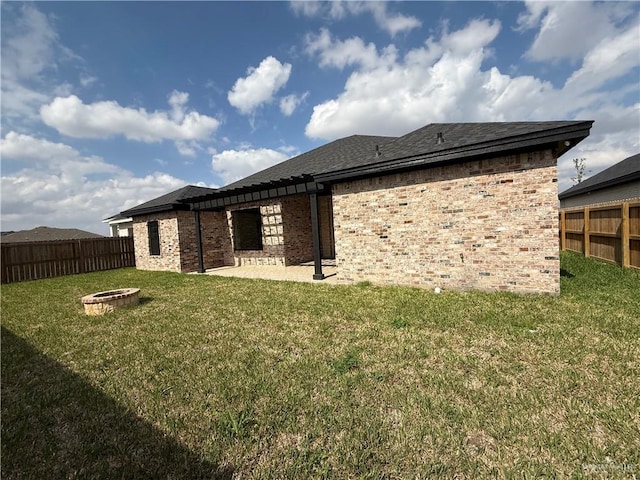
[(199, 242), (315, 233)]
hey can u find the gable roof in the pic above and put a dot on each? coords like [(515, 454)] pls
[(43, 234), (622, 172), (170, 201)]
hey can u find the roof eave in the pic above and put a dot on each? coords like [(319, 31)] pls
[(600, 186), (136, 212)]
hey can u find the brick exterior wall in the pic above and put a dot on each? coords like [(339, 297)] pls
[(215, 240), (169, 258), (296, 220), (486, 225), (286, 237), (272, 252), (178, 241), (286, 232)]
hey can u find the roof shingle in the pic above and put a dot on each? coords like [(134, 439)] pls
[(170, 201), (343, 153)]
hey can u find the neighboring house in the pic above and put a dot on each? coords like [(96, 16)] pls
[(465, 206), (164, 232), (42, 234), (600, 217), (618, 183), (119, 226)]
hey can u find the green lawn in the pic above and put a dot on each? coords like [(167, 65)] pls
[(217, 377)]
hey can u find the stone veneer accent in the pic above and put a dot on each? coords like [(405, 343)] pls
[(286, 232), (486, 224), (178, 241)]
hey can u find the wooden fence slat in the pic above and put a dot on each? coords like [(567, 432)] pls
[(625, 235), (587, 232), (36, 260)]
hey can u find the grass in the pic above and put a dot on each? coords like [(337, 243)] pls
[(218, 378)]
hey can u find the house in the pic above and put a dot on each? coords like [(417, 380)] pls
[(164, 233), (43, 234), (464, 206), (620, 182), (119, 226)]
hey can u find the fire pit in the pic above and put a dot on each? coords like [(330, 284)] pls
[(105, 302)]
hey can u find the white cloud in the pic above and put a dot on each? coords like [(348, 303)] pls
[(392, 23), (187, 149), (290, 103), (441, 81), (70, 116), (59, 187), (570, 29), (178, 100), (350, 52), (611, 58), (259, 86), (451, 79), (306, 8), (87, 80), (232, 165), (29, 46), (16, 146)]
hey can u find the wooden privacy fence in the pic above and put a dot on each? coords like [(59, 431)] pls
[(36, 260), (610, 233)]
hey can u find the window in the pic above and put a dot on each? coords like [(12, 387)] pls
[(247, 229), (154, 237)]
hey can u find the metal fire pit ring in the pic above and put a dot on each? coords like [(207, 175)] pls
[(105, 302)]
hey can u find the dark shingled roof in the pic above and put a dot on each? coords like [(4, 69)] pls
[(359, 155), (456, 135), (463, 141), (171, 201), (622, 172), (43, 234), (343, 153)]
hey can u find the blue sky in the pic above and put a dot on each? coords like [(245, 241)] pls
[(106, 105)]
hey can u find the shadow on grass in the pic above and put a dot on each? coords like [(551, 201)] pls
[(566, 273), (145, 300), (56, 425)]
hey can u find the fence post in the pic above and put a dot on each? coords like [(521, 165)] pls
[(563, 232), (587, 247), (625, 235)]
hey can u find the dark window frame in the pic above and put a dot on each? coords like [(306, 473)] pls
[(247, 230), (153, 234)]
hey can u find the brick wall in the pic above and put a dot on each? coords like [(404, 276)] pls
[(178, 241), (272, 252), (296, 220), (215, 240), (169, 258), (487, 225), (286, 232)]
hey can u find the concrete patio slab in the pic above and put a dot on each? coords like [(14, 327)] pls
[(294, 273)]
